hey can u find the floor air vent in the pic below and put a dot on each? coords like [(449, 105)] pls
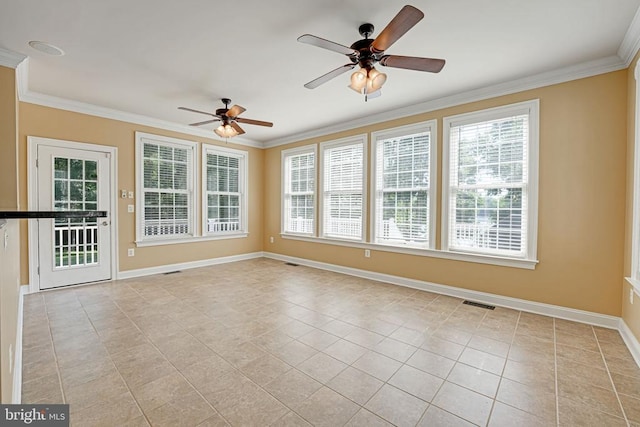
[(291, 264), (479, 304)]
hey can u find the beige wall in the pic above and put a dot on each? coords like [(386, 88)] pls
[(47, 122), (8, 132), (630, 312), (583, 145), (9, 257)]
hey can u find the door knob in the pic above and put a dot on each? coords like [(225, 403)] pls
[(105, 223)]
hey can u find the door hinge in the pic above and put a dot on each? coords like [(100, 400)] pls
[(38, 270), (37, 163)]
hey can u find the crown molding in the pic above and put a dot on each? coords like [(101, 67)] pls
[(10, 59), (573, 72), (631, 42)]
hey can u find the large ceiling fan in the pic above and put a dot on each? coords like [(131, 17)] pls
[(367, 52), (229, 118)]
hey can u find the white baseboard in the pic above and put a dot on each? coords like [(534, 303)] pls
[(186, 265), (630, 340), (16, 397), (581, 316)]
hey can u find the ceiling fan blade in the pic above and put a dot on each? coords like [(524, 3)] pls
[(237, 127), (431, 65), (326, 44), (235, 111), (330, 75), (196, 111), (206, 122), (253, 122), (400, 24)]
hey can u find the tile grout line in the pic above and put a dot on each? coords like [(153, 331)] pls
[(555, 374), (606, 366), (444, 380), (371, 349), (55, 354), (133, 396), (506, 360), (168, 361)]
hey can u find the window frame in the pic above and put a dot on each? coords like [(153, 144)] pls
[(324, 146), (531, 108), (140, 139), (286, 154), (243, 178), (377, 137)]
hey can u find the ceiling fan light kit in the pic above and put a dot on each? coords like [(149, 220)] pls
[(226, 131), (368, 81), (367, 52)]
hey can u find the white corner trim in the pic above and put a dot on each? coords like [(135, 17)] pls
[(630, 340), (573, 72), (603, 320), (10, 59), (28, 96), (16, 397), (631, 42), (128, 274), (22, 78)]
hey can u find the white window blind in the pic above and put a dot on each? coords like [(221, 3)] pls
[(489, 185), (402, 189), (343, 189), (167, 189), (224, 190), (299, 176)]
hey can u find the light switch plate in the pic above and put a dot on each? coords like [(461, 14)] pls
[(131, 194), (130, 208)]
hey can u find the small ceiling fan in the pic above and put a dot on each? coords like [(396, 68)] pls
[(368, 52), (229, 118)]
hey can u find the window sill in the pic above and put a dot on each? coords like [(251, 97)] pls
[(635, 284), (182, 240), (433, 253)]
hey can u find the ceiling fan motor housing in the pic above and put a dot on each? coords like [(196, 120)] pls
[(365, 57)]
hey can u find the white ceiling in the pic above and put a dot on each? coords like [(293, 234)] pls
[(148, 57)]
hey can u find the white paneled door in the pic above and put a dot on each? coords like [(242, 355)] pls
[(73, 251)]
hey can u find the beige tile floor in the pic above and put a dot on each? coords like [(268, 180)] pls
[(263, 343)]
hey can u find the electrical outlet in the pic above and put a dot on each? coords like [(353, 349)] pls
[(271, 240), (130, 208), (123, 194), (367, 253), (131, 252), (131, 194)]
